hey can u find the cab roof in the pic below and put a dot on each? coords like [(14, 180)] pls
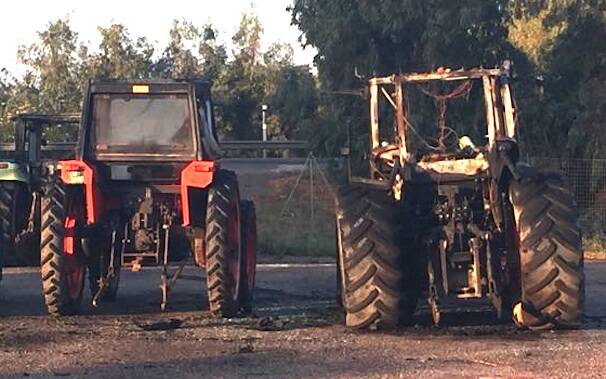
[(157, 86)]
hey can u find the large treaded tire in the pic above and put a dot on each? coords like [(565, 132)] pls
[(14, 214), (249, 256), (20, 249), (551, 254), (59, 297), (223, 245), (6, 226), (1, 253), (370, 259), (7, 190)]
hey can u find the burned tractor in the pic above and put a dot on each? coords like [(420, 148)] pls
[(146, 185), (21, 173), (443, 219)]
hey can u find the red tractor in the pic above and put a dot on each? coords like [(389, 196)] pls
[(146, 186)]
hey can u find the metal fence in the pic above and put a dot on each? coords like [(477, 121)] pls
[(296, 203), (295, 200), (587, 178)]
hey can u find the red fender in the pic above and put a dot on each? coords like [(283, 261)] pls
[(197, 174), (76, 172)]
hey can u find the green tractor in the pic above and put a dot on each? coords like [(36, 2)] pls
[(21, 173)]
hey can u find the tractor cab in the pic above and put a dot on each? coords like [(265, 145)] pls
[(21, 177), (146, 131), (33, 132), (149, 122)]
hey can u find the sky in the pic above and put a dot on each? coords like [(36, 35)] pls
[(21, 19)]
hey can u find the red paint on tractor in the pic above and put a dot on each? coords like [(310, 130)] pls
[(68, 240), (68, 169), (74, 267), (197, 174)]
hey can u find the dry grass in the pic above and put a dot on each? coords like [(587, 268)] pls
[(595, 247), (285, 225)]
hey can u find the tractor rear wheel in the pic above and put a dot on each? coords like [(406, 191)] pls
[(551, 255), (7, 213), (13, 218), (249, 256), (62, 267), (1, 253), (6, 225), (224, 245), (370, 260)]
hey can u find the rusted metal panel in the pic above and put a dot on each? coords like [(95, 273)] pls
[(445, 75), (374, 115), (470, 167), (400, 120), (509, 110), (388, 97), (488, 101), (498, 121)]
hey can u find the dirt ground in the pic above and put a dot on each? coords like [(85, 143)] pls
[(296, 332)]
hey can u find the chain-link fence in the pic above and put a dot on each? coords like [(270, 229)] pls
[(295, 202), (587, 177), (295, 205)]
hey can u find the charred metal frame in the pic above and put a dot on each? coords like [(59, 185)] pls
[(497, 95), (456, 181)]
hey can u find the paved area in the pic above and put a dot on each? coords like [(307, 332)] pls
[(296, 332)]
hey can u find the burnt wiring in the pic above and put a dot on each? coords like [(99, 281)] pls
[(424, 141), (441, 104)]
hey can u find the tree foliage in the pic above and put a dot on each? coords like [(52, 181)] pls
[(558, 47), (383, 37), (119, 56), (52, 77), (58, 67), (561, 42), (567, 43)]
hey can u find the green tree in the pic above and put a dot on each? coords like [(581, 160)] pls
[(240, 89), (391, 36), (179, 60), (383, 37), (6, 91), (567, 45), (213, 54), (291, 93), (51, 82), (120, 57), (58, 67)]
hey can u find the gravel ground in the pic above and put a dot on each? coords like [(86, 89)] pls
[(296, 332)]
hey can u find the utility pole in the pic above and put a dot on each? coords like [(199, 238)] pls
[(264, 108)]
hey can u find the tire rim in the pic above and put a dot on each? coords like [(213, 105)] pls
[(251, 244), (235, 250)]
